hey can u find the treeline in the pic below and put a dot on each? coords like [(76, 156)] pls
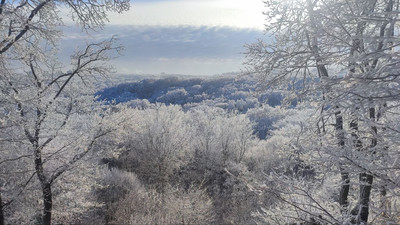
[(233, 93)]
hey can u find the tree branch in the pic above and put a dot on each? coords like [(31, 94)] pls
[(25, 29)]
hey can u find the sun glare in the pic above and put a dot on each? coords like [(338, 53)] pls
[(248, 13)]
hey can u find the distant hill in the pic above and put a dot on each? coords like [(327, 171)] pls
[(231, 92)]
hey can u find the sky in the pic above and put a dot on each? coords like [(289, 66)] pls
[(189, 37)]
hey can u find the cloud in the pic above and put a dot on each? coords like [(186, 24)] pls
[(182, 66), (177, 36), (185, 42), (232, 13), (182, 50)]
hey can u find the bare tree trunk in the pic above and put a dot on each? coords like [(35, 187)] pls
[(367, 179), (345, 186), (48, 203), (1, 211), (365, 193), (344, 192), (383, 201), (46, 186), (362, 209), (323, 73)]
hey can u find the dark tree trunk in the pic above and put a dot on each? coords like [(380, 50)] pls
[(345, 186), (383, 192), (1, 211), (48, 204), (365, 192), (362, 210), (344, 192), (339, 127), (354, 133), (367, 179), (383, 202), (45, 184)]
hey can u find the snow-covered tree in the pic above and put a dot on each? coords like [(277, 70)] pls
[(49, 117), (130, 202), (342, 57), (156, 144)]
